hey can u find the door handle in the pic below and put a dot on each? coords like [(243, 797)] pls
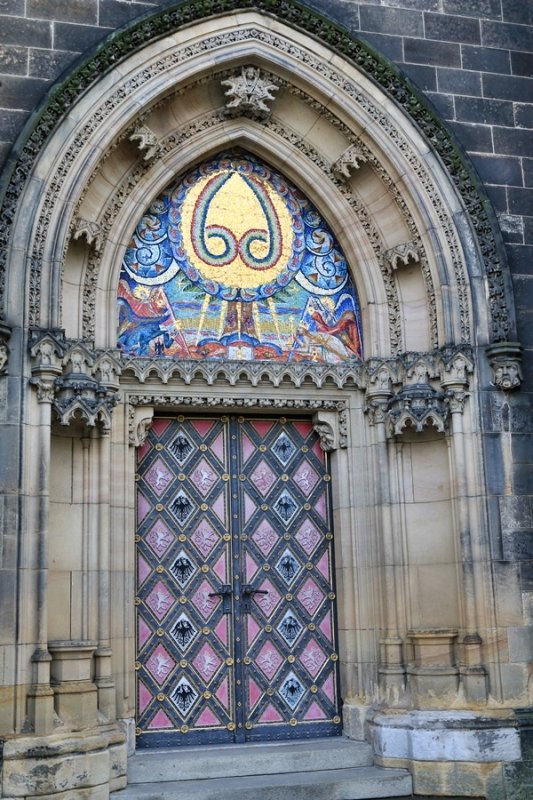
[(247, 593), (225, 593)]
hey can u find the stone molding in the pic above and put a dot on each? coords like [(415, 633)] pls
[(350, 161), (88, 230), (156, 26), (402, 254), (146, 141)]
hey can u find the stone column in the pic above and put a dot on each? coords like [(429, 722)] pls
[(41, 695), (473, 674), (391, 670)]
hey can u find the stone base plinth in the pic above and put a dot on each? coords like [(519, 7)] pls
[(88, 765), (449, 753)]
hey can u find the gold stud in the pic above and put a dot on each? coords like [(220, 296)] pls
[(240, 419), (247, 660), (230, 726), (248, 726), (183, 599), (138, 665), (311, 626), (138, 731), (283, 420), (284, 477), (291, 659), (204, 568), (307, 506), (160, 697), (230, 662), (184, 729), (159, 568), (207, 695), (227, 537), (206, 631), (264, 507), (266, 567), (183, 663), (314, 689), (137, 601), (288, 596), (334, 657), (286, 536), (309, 565), (326, 478), (182, 537), (137, 537), (159, 446), (270, 692), (268, 628), (160, 631), (305, 448), (331, 595), (204, 507), (242, 477), (293, 722), (336, 720), (159, 507), (137, 476), (262, 448), (329, 536), (225, 477), (203, 448), (181, 418)]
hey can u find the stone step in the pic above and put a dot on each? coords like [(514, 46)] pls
[(360, 783), (228, 761)]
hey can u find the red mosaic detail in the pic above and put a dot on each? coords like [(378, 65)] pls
[(254, 693), (328, 688), (160, 721), (306, 478), (267, 602), (314, 712), (160, 664), (159, 477), (203, 602), (310, 596), (269, 660), (204, 538), (143, 633), (323, 565), (159, 426), (160, 600), (145, 697), (222, 693), (207, 719), (326, 626), (265, 537), (303, 428), (143, 507), (221, 630), (159, 538), (307, 536), (263, 478), (203, 477), (143, 570), (270, 714), (217, 447), (202, 426), (313, 658), (207, 662), (320, 507), (261, 427)]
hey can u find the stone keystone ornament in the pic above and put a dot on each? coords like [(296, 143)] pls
[(249, 92)]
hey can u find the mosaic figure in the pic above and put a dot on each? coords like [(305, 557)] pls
[(232, 262)]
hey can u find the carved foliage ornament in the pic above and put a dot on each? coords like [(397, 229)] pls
[(168, 21), (5, 333)]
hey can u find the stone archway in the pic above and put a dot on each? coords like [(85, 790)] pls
[(398, 197)]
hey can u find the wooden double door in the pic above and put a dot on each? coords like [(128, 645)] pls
[(236, 631)]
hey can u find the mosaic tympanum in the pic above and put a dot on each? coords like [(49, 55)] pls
[(233, 262)]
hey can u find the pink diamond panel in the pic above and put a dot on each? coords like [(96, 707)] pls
[(160, 600), (204, 477), (159, 538), (265, 537), (158, 477), (269, 660), (263, 478), (307, 536), (306, 478), (207, 662), (204, 538), (160, 664), (310, 596), (267, 602), (207, 719), (160, 721), (203, 602), (145, 697), (313, 658)]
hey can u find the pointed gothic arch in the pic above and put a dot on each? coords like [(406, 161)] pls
[(352, 135)]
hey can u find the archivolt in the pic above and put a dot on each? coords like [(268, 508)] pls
[(352, 103)]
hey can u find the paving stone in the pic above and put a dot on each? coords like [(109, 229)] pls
[(457, 81), (389, 20), (517, 11), (503, 170), (77, 38), (446, 54), (485, 59), (501, 34), (81, 11), (508, 86), (486, 111), (25, 32), (476, 138), (452, 29), (13, 60), (481, 8)]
